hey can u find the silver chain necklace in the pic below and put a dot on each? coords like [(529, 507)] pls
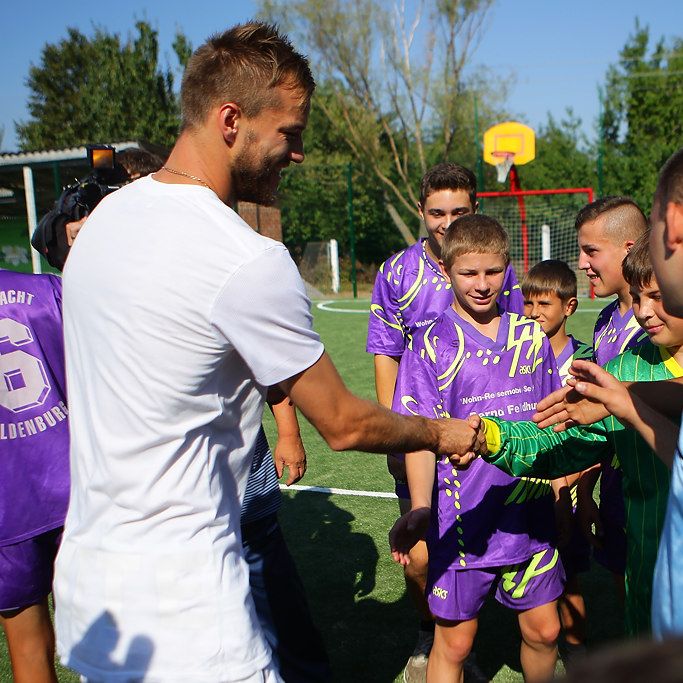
[(190, 176), (428, 261)]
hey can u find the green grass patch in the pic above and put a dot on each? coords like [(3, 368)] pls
[(355, 591)]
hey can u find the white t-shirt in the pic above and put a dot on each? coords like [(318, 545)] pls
[(176, 315)]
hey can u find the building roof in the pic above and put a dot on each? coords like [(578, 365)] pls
[(53, 155)]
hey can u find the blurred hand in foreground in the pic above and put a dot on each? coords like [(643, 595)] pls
[(406, 532)]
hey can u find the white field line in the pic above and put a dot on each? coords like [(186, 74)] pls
[(339, 492), (325, 306)]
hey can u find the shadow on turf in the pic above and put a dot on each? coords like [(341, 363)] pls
[(370, 640)]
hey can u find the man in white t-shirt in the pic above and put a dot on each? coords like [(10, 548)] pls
[(177, 317)]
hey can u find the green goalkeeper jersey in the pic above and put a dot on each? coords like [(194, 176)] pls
[(522, 449)]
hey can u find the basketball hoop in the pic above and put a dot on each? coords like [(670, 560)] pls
[(504, 166)]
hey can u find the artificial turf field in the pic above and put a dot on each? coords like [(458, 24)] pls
[(355, 591)]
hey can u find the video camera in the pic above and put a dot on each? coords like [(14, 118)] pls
[(77, 201)]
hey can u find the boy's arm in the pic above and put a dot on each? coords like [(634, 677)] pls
[(522, 449), (568, 406), (660, 433), (386, 369), (289, 450)]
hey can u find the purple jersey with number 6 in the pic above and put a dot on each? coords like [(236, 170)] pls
[(34, 434), (484, 518), (410, 293)]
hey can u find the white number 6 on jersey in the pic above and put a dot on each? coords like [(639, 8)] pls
[(24, 384)]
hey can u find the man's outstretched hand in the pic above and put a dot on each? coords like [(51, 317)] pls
[(577, 405), (406, 532)]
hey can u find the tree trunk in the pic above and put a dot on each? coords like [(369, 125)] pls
[(399, 223)]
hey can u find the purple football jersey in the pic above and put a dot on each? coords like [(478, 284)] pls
[(484, 518), (410, 293), (34, 434), (573, 350), (614, 333)]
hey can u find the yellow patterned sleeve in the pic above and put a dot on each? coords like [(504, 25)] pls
[(492, 432)]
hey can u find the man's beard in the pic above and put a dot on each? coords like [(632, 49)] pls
[(253, 177)]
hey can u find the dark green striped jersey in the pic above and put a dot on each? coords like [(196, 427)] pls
[(522, 449)]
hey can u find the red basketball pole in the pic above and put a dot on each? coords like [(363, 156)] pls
[(515, 186)]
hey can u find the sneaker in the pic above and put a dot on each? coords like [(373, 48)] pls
[(416, 668)]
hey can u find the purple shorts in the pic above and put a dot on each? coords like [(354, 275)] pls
[(26, 570), (458, 595)]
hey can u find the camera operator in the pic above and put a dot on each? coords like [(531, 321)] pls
[(136, 163)]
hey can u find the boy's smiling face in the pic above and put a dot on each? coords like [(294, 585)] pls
[(440, 209), (648, 309), (548, 310), (600, 258), (476, 279)]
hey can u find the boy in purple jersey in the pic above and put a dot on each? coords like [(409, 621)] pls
[(606, 230), (549, 290), (34, 466), (488, 530), (410, 292)]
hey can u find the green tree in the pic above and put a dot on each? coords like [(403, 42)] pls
[(642, 114), (88, 89), (395, 89), (313, 197), (564, 157)]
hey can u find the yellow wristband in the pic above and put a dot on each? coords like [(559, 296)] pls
[(492, 432)]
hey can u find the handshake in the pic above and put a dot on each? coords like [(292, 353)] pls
[(464, 440)]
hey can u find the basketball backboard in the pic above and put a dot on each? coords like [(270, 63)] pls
[(509, 140)]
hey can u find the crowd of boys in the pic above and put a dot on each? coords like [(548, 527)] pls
[(152, 583)]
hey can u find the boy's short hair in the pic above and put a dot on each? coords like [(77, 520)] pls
[(243, 65), (474, 234), (670, 184), (448, 176), (626, 219), (637, 266), (547, 276)]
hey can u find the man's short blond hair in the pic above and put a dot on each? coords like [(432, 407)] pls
[(244, 65)]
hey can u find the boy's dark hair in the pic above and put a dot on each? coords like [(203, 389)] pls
[(138, 162), (626, 219), (637, 265), (547, 276), (670, 184), (448, 176), (243, 65), (474, 234)]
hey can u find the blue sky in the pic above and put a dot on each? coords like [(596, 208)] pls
[(557, 51)]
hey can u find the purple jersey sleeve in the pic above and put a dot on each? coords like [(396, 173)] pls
[(386, 333), (34, 437)]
